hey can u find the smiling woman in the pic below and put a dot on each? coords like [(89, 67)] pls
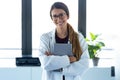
[(42, 21), (70, 67), (59, 17)]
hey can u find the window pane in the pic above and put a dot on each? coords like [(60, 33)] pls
[(10, 25), (41, 18), (103, 17)]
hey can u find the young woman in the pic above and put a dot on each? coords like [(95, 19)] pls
[(70, 67)]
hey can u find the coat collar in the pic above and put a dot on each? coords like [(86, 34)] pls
[(53, 35)]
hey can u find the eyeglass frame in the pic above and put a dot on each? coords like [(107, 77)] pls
[(61, 15)]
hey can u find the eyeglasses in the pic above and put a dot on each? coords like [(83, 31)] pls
[(61, 15)]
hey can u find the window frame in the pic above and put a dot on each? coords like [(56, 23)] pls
[(26, 28), (82, 17)]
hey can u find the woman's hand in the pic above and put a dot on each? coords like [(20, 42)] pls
[(48, 53), (72, 59)]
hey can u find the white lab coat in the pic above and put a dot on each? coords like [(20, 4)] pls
[(72, 71)]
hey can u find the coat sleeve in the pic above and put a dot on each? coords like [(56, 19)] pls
[(79, 67), (50, 62)]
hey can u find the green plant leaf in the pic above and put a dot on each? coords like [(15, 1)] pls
[(87, 39), (102, 44), (93, 36), (94, 45)]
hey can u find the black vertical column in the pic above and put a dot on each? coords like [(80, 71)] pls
[(26, 28), (82, 17)]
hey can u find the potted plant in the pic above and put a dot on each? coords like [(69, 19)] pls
[(94, 46)]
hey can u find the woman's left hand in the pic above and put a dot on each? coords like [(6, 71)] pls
[(48, 53)]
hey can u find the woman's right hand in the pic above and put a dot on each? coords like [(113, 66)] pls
[(72, 59)]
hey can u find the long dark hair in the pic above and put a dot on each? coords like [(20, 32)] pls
[(59, 5)]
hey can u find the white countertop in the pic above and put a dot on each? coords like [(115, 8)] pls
[(11, 63)]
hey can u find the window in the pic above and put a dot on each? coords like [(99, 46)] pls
[(103, 18), (10, 28), (41, 21)]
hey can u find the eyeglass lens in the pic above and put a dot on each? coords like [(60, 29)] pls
[(59, 15)]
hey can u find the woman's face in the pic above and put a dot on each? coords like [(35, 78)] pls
[(59, 17)]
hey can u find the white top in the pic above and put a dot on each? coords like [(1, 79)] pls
[(72, 71)]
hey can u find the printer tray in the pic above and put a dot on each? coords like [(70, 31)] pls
[(27, 61)]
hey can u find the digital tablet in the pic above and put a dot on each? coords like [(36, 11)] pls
[(62, 49)]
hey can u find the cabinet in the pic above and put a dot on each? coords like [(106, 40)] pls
[(9, 71), (36, 73), (18, 73)]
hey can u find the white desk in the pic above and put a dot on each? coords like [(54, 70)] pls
[(9, 71), (104, 71)]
